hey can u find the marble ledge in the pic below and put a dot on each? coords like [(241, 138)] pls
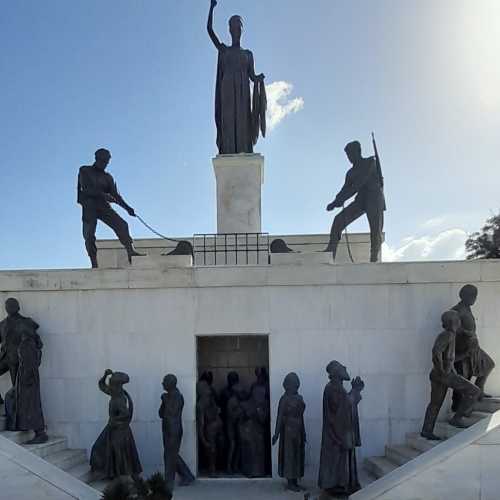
[(284, 274)]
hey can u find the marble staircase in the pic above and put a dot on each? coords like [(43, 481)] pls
[(415, 445), (57, 452)]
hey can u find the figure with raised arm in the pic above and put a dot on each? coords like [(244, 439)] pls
[(114, 453), (96, 191), (238, 117), (338, 473)]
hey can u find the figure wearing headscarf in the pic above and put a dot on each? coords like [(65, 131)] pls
[(338, 473), (10, 338), (290, 430), (238, 123), (115, 453), (28, 402)]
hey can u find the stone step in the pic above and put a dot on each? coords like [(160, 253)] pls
[(445, 430), (82, 472), (3, 423), (18, 437), (379, 466), (53, 445), (400, 454), (67, 459), (417, 442), (488, 405)]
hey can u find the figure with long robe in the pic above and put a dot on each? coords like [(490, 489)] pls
[(172, 405), (290, 430), (338, 474), (10, 338), (238, 116), (28, 402), (114, 453)]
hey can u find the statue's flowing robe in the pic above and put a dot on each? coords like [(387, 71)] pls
[(340, 438), (28, 405), (115, 453), (290, 423), (237, 124)]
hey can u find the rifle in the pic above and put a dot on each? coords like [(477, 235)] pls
[(377, 160)]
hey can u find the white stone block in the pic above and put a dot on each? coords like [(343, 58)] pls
[(239, 185), (301, 259), (162, 261)]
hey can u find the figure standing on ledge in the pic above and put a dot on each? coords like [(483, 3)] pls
[(290, 430), (470, 359), (114, 453), (96, 191), (238, 122), (365, 180), (172, 404), (28, 402), (10, 338), (338, 472), (443, 376)]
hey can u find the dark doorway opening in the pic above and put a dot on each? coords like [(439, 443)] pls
[(233, 406)]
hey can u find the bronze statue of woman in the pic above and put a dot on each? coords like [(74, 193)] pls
[(238, 119)]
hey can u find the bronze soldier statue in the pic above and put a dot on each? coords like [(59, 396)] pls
[(238, 121), (365, 180), (470, 360), (96, 191), (443, 376)]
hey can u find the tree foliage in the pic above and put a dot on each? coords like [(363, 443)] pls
[(485, 244)]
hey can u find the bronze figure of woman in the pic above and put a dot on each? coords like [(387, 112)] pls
[(238, 117), (114, 453)]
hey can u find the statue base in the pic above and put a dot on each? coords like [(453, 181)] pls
[(239, 189)]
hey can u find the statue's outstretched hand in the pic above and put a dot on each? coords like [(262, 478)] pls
[(358, 384), (213, 3), (330, 206)]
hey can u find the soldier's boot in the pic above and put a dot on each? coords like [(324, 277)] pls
[(431, 415), (132, 252)]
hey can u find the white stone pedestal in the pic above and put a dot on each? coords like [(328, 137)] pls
[(301, 259), (239, 185), (161, 261)]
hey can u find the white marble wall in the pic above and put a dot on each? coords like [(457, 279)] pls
[(380, 320)]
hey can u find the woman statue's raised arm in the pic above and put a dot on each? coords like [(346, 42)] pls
[(210, 25)]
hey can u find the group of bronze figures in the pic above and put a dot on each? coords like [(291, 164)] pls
[(457, 358), (240, 115), (233, 426)]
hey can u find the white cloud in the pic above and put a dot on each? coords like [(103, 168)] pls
[(279, 103), (447, 245)]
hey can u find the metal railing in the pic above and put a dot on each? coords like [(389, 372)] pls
[(231, 249)]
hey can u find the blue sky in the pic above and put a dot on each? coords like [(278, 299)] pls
[(137, 76)]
